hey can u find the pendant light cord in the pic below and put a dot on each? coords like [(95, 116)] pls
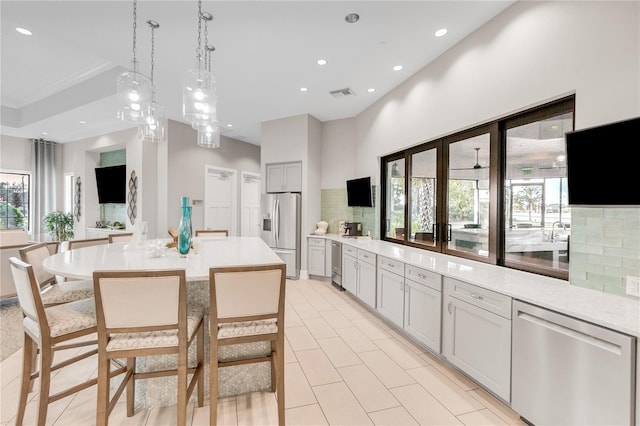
[(135, 25), (199, 49)]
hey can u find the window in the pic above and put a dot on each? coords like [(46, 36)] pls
[(69, 192), (496, 193), (14, 200)]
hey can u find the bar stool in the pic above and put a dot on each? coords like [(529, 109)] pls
[(212, 233), (74, 244), (120, 237), (129, 326), (46, 331), (247, 305)]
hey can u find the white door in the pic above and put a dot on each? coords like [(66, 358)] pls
[(220, 199), (250, 205)]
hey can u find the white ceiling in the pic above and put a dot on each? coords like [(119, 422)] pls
[(265, 51)]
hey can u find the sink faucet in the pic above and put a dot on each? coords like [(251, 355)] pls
[(553, 228)]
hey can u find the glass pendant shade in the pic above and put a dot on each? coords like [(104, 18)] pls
[(199, 97), (154, 127), (209, 135), (134, 95)]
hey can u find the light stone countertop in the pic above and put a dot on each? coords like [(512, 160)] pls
[(608, 310)]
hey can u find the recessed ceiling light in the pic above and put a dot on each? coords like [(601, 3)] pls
[(83, 122), (371, 90), (352, 18), (303, 89), (441, 32), (23, 31), (229, 125), (321, 62), (398, 67), (44, 133)]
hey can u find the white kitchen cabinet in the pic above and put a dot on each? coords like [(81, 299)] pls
[(476, 334), (91, 233), (423, 306), (284, 177), (359, 273), (391, 295), (316, 254), (366, 288), (328, 267), (349, 270)]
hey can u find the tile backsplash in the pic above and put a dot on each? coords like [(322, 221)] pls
[(605, 248), (334, 209)]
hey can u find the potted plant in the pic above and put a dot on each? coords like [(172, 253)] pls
[(58, 225)]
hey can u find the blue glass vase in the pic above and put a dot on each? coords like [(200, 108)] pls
[(184, 231)]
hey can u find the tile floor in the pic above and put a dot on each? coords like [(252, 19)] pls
[(344, 366)]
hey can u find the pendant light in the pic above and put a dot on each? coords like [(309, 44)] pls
[(199, 91), (134, 89), (209, 131), (153, 129)]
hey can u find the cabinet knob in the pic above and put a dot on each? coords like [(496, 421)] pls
[(449, 308), (477, 296)]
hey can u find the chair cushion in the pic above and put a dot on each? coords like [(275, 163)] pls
[(66, 318), (68, 291), (247, 328), (155, 339)]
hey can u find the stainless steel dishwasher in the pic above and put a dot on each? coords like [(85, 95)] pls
[(570, 372), (336, 264)]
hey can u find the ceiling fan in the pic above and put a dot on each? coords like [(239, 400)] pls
[(475, 166)]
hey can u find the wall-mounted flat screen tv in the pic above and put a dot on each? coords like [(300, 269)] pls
[(111, 183), (602, 165), (359, 192)]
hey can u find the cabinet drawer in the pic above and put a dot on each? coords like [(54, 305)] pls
[(483, 298), (350, 250), (367, 256), (422, 276), (391, 265), (316, 242)]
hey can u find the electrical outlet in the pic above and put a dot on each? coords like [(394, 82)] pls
[(633, 286)]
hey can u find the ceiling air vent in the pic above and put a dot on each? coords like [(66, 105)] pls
[(342, 92)]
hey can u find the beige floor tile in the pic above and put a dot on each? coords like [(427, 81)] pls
[(81, 409), (350, 311), (53, 412), (289, 355), (379, 321), (340, 406), (319, 328), (10, 368), (444, 390), (320, 304), (309, 415), (338, 352), (305, 310), (291, 319), (423, 406), (317, 367), (396, 416), (481, 418), (498, 407), (406, 341), (300, 339), (119, 416), (167, 416), (227, 414), (297, 391), (336, 319), (389, 373), (259, 408), (370, 392), (401, 354), (451, 372), (370, 329), (356, 340)]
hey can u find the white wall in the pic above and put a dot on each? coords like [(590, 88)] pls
[(338, 153), (531, 53), (186, 163), (15, 153)]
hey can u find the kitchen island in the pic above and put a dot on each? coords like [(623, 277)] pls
[(153, 254)]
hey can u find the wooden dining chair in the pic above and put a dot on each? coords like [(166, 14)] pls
[(247, 305), (53, 292), (142, 314), (74, 244), (120, 237), (212, 233), (48, 330)]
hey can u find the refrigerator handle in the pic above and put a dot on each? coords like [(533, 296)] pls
[(276, 221)]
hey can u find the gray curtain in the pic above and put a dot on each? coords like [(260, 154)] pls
[(43, 166)]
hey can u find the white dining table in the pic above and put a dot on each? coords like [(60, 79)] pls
[(80, 263), (214, 252)]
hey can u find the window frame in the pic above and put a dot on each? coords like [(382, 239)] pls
[(28, 217), (497, 130)]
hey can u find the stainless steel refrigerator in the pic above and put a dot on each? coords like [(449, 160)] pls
[(280, 228)]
